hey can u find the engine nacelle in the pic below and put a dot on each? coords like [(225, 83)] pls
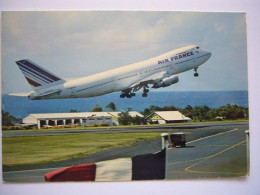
[(167, 81)]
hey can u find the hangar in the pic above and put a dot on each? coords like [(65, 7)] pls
[(79, 118), (163, 117), (74, 118)]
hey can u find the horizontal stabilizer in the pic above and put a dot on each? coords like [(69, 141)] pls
[(51, 92), (19, 94)]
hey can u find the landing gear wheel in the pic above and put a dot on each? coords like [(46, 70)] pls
[(122, 95), (196, 74)]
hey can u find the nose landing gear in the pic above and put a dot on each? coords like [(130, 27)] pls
[(196, 74)]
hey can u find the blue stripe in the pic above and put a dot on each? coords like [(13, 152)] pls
[(32, 76), (33, 72), (43, 72)]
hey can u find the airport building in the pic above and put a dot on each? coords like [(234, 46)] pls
[(163, 117), (77, 118)]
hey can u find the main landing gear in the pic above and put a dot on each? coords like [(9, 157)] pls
[(127, 94), (196, 74), (145, 91)]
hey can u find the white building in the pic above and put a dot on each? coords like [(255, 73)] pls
[(79, 118), (163, 117), (75, 118)]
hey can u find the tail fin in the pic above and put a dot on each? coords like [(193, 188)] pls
[(37, 76)]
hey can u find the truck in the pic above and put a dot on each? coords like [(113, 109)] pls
[(178, 139)]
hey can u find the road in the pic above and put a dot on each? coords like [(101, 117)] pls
[(112, 130), (212, 151)]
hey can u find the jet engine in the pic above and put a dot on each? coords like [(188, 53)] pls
[(167, 81)]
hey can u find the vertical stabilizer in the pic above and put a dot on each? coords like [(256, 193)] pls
[(37, 76)]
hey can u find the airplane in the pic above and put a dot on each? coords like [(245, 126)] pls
[(158, 72)]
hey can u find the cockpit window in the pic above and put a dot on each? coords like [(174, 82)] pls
[(197, 47)]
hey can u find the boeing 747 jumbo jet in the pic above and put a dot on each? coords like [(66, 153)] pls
[(160, 71)]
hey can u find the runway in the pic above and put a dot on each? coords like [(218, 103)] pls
[(220, 155), (212, 151), (112, 130)]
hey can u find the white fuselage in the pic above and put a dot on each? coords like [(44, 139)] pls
[(119, 79)]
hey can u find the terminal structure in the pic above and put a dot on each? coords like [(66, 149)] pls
[(74, 118), (163, 117)]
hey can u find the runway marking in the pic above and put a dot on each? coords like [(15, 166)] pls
[(212, 135), (188, 169)]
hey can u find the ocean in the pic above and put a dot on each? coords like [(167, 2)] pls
[(20, 107)]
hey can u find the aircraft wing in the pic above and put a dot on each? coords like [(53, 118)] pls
[(155, 78)]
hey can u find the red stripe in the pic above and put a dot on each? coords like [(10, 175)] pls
[(33, 83), (83, 172)]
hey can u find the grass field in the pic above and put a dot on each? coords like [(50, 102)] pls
[(40, 149)]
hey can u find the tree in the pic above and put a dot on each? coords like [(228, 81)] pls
[(8, 120), (112, 106), (137, 120), (72, 110), (169, 108), (124, 118), (146, 112), (97, 108)]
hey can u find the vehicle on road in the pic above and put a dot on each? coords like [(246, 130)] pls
[(178, 139)]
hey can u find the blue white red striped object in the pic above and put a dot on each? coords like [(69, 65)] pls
[(142, 167), (36, 75)]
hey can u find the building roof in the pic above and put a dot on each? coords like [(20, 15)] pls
[(131, 113), (170, 115), (70, 115), (80, 115)]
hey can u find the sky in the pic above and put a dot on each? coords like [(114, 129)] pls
[(79, 43)]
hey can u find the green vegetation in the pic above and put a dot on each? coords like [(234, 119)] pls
[(197, 114), (112, 106), (73, 110), (125, 119), (40, 149), (8, 120), (204, 113), (97, 108)]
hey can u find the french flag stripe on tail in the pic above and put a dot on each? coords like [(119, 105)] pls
[(33, 73), (33, 66), (142, 167), (30, 75), (36, 75)]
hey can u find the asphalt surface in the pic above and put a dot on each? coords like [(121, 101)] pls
[(211, 151), (112, 130)]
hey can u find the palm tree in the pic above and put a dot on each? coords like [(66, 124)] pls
[(112, 106)]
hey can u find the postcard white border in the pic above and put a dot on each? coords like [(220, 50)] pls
[(248, 185)]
